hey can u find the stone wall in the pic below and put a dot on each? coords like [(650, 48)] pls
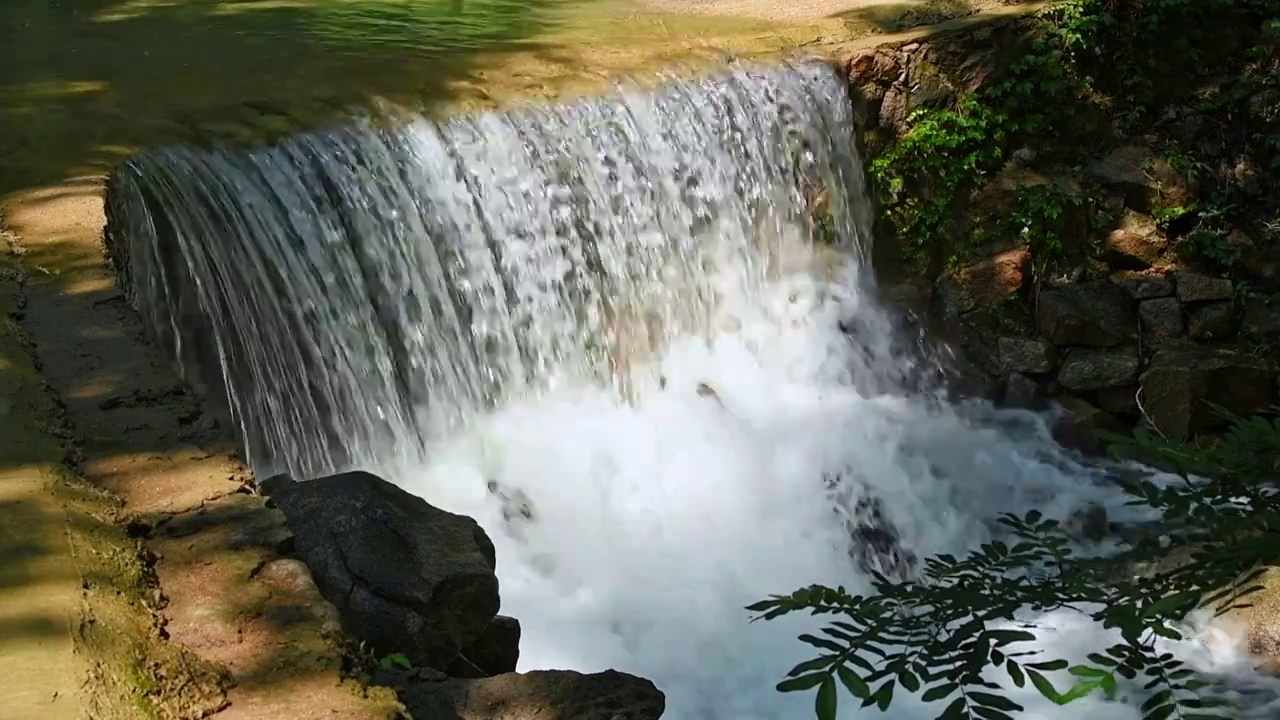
[(1126, 332)]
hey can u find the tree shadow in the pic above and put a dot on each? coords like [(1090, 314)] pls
[(87, 81), (899, 16), (896, 17)]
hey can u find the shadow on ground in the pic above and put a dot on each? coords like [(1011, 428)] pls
[(84, 82), (892, 17)]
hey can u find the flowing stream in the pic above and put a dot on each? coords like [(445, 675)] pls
[(606, 331)]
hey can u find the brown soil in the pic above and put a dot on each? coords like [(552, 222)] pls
[(151, 560)]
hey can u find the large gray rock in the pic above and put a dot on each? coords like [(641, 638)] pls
[(405, 577), (1094, 314), (538, 695), (1182, 382), (1099, 368)]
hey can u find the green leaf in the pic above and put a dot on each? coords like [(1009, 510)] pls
[(823, 643), (826, 701), (1004, 637), (1049, 665), (818, 663), (853, 683), (996, 701), (954, 711), (1157, 700), (908, 680), (884, 696), (937, 692), (804, 682), (1086, 671), (1015, 673), (1079, 690), (1042, 684)]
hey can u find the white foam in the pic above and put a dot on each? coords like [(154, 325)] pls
[(657, 522)]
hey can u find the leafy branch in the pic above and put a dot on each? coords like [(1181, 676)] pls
[(949, 633)]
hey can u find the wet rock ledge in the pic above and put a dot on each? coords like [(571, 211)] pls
[(410, 580)]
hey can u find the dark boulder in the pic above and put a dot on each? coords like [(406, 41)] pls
[(495, 652), (1193, 288), (538, 695), (1094, 314), (1182, 383), (405, 577), (1213, 322), (1261, 322)]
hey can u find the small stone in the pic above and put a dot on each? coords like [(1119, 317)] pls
[(1025, 355), (496, 651), (984, 283), (1098, 368), (1092, 523), (1248, 176), (1021, 391), (1080, 423), (1261, 322), (1119, 401), (1095, 314), (1194, 287), (1161, 320), (1136, 244), (1215, 321), (1146, 179), (1143, 286), (894, 109), (873, 66)]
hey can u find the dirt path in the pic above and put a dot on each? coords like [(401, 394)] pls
[(226, 592), (39, 580), (150, 570)]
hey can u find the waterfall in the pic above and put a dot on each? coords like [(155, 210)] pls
[(635, 337)]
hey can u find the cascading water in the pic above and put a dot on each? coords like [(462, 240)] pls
[(604, 331)]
